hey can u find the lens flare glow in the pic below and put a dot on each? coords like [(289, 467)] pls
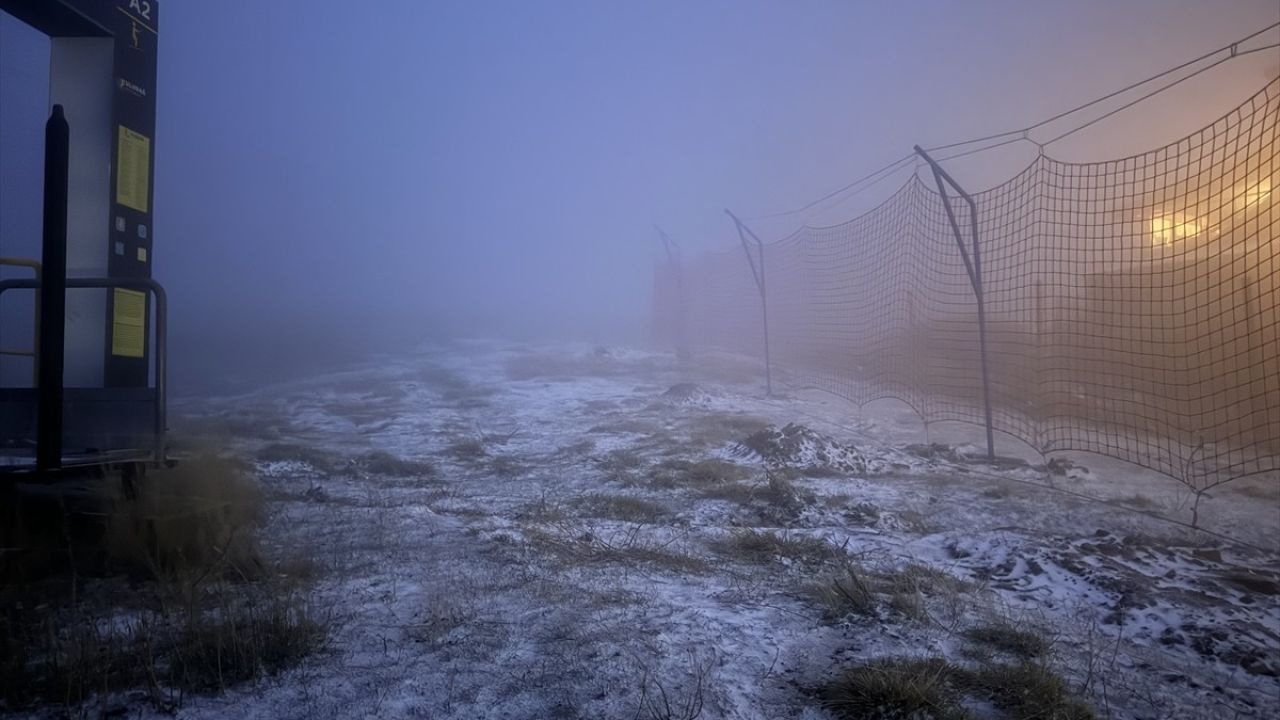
[(1168, 229)]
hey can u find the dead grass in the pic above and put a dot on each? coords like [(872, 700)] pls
[(852, 591), (762, 547), (936, 689), (896, 689), (714, 429), (1029, 691), (380, 462), (1137, 500), (739, 493), (467, 450), (577, 542), (204, 612), (1005, 638), (199, 515), (859, 591), (619, 466), (507, 466), (676, 473), (1257, 489), (222, 635), (627, 508)]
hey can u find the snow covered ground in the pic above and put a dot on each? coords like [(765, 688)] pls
[(582, 546)]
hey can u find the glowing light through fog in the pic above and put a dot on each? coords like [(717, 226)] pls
[(1168, 229), (1255, 194)]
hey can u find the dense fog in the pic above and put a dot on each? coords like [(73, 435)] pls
[(335, 178)]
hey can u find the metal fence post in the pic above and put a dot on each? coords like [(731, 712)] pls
[(757, 272), (974, 269), (52, 296), (674, 258)]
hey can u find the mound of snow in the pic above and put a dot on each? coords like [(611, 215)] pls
[(686, 394), (797, 446)]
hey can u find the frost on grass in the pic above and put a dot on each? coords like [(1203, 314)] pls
[(618, 534), (205, 609), (796, 446)]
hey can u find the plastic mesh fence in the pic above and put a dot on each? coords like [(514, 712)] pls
[(1133, 306)]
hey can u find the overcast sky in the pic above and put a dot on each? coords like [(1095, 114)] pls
[(498, 166)]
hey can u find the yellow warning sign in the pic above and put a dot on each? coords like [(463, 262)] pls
[(133, 165), (129, 323)]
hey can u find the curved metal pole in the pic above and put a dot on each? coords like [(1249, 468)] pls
[(758, 274), (974, 269)]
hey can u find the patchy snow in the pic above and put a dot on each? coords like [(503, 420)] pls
[(565, 558)]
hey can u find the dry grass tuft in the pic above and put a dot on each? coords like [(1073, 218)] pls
[(677, 473), (198, 516), (219, 635), (579, 542), (1005, 638), (384, 463), (761, 547), (852, 591), (1029, 691), (507, 466), (935, 689), (211, 613), (896, 689), (739, 493), (624, 507), (467, 450), (719, 428), (861, 592)]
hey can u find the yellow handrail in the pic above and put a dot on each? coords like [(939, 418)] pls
[(34, 352)]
